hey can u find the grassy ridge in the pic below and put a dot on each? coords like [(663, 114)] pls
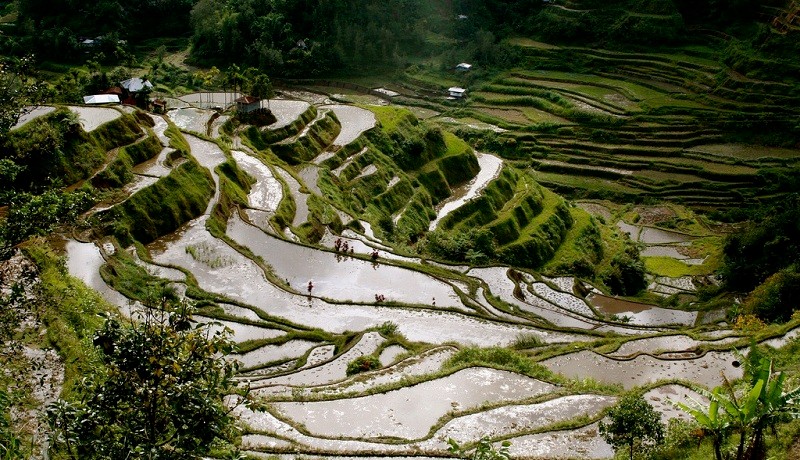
[(162, 207)]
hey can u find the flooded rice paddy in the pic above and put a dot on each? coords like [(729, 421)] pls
[(92, 117), (490, 167), (409, 406)]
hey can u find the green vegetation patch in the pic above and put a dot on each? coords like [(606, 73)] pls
[(161, 208)]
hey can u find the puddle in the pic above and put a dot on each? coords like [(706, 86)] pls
[(409, 413), (584, 443), (390, 354), (34, 113), (267, 192), (300, 199), (354, 120), (504, 421), (92, 117), (344, 279), (269, 353), (705, 370), (191, 119), (490, 167), (639, 313)]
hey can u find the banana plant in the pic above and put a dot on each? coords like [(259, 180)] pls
[(710, 420)]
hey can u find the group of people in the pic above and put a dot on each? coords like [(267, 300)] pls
[(379, 298), (342, 246)]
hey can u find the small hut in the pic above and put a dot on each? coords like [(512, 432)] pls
[(247, 104)]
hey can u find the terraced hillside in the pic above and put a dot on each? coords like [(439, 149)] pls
[(675, 125), (280, 253)]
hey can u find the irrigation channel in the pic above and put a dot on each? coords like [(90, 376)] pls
[(411, 406)]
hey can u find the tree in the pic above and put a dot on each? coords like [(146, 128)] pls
[(633, 422), (18, 91), (261, 87), (158, 394)]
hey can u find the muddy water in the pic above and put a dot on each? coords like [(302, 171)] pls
[(508, 420), (663, 251), (157, 166), (209, 100), (501, 286), (191, 119), (653, 345), (639, 313), (329, 372), (584, 443), (490, 167), (595, 209), (562, 299), (390, 354), (35, 113), (338, 171), (319, 355), (241, 332), (300, 199), (663, 398), (216, 125), (310, 175), (631, 230), (354, 120), (367, 171), (651, 235), (425, 363), (705, 370), (83, 262), (267, 192), (409, 412), (286, 111), (269, 353), (92, 117), (343, 278)]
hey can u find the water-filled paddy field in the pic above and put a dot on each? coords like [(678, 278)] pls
[(306, 311)]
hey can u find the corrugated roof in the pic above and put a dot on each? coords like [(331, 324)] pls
[(101, 99), (136, 84)]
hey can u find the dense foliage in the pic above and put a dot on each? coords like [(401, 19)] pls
[(764, 257), (633, 424), (159, 395)]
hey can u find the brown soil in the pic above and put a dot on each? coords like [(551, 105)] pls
[(653, 215)]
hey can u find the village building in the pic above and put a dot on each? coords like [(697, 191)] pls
[(457, 92), (247, 104), (463, 67)]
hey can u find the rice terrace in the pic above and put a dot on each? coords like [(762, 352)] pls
[(411, 229)]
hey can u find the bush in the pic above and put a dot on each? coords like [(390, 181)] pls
[(363, 364)]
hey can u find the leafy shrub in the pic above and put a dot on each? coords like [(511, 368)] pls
[(363, 364)]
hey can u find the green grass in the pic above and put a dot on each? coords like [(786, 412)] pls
[(673, 268)]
